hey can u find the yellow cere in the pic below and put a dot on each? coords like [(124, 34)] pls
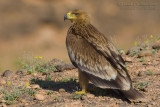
[(70, 16), (151, 36)]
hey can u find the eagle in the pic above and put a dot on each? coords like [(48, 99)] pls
[(96, 57)]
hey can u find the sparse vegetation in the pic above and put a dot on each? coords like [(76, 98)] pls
[(134, 53), (14, 95), (141, 86), (142, 59), (77, 96), (34, 64), (49, 92), (154, 51), (149, 72), (57, 98)]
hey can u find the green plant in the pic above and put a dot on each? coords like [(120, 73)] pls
[(133, 53), (77, 96), (142, 85), (154, 51), (31, 92), (49, 78), (149, 72), (121, 51), (11, 97), (34, 63), (142, 59), (56, 98), (49, 92)]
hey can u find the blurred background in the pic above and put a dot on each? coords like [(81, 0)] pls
[(38, 27)]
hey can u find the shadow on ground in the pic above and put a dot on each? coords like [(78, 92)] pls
[(72, 86)]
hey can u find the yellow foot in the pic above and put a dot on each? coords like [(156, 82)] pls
[(80, 92)]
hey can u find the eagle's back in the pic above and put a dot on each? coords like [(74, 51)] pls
[(99, 70)]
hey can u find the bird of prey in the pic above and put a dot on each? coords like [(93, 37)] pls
[(96, 58)]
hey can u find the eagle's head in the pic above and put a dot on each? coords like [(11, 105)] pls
[(77, 16)]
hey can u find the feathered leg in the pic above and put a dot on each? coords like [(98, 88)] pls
[(83, 81)]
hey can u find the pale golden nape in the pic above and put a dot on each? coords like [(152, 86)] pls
[(96, 57)]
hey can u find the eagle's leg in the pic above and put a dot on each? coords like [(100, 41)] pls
[(83, 81)]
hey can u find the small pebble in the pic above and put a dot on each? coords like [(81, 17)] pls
[(4, 105), (90, 96), (62, 90), (128, 59), (26, 104), (2, 82), (39, 97), (7, 73), (21, 72), (2, 101), (145, 53), (34, 86), (156, 45)]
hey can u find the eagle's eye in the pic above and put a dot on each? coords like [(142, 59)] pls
[(76, 14)]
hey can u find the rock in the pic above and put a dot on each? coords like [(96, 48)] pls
[(34, 86), (56, 62), (21, 72), (2, 101), (132, 50), (122, 52), (7, 73), (34, 74), (127, 59), (115, 105), (2, 82), (28, 87), (60, 65), (26, 98), (141, 73), (22, 100), (145, 53), (62, 90), (39, 97), (64, 66), (1, 96), (90, 96), (26, 104), (84, 97), (4, 105), (156, 45)]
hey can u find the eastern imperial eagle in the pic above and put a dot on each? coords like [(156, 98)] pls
[(96, 57)]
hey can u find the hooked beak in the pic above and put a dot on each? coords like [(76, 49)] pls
[(69, 16), (66, 17)]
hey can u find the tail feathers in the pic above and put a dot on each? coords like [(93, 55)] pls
[(133, 94)]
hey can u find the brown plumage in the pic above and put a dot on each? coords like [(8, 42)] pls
[(96, 57)]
